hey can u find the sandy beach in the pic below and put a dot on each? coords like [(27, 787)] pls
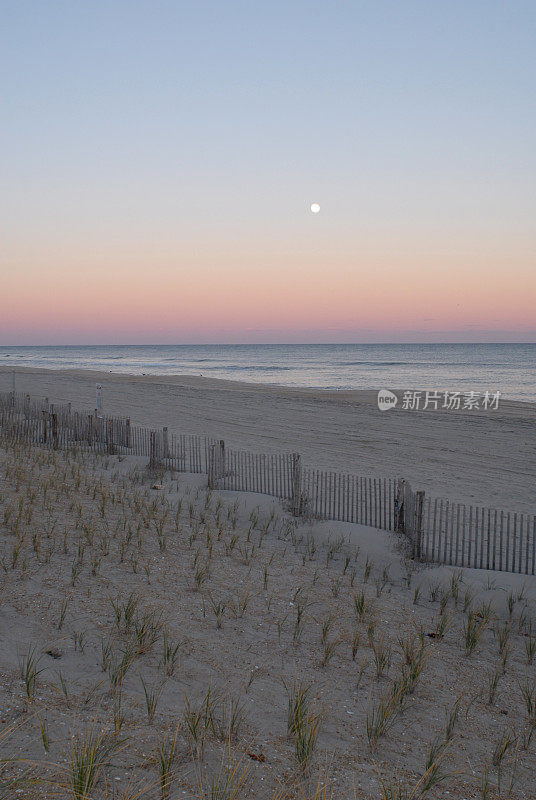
[(166, 629), (485, 458), (171, 629)]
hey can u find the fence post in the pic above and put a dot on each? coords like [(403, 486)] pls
[(110, 437), (165, 443), (211, 466), (417, 541), (54, 423), (44, 413), (152, 450), (221, 459), (400, 526), (296, 485), (127, 432)]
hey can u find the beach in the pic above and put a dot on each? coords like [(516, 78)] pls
[(194, 639), (477, 457), (182, 640)]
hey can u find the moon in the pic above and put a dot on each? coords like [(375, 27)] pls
[(315, 208)]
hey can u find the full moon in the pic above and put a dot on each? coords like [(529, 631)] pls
[(315, 208)]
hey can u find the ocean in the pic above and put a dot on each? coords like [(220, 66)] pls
[(508, 368)]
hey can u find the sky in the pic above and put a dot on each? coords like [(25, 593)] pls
[(159, 160)]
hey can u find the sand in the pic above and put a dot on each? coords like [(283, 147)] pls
[(78, 531), (483, 458), (89, 532)]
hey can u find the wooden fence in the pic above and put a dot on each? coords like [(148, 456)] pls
[(474, 536), (48, 425), (315, 493), (436, 530)]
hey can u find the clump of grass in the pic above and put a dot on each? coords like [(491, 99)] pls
[(63, 688), (511, 603), (329, 649), (170, 654), (63, 612), (218, 609), (528, 693), (227, 718), (239, 607), (455, 581), (303, 723), (502, 634), (197, 722), (89, 755), (106, 653), (434, 591), (392, 789), (306, 733), (118, 666), (492, 682), (299, 697), (382, 715), (452, 719), (152, 696), (473, 629), (201, 576), (164, 757), (301, 607), (443, 600), (124, 611), (327, 625), (29, 672), (442, 624), (147, 629), (361, 605), (434, 773), (382, 657), (414, 653), (228, 784), (505, 743)]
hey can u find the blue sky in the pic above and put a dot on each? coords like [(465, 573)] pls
[(171, 136)]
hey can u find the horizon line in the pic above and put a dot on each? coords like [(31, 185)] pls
[(258, 344)]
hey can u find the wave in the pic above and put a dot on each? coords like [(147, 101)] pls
[(251, 368), (373, 363)]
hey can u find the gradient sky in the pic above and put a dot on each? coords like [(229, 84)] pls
[(159, 160)]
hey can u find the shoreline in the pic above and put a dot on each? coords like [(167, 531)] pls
[(200, 381), (482, 458)]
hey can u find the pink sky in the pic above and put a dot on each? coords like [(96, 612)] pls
[(310, 293)]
